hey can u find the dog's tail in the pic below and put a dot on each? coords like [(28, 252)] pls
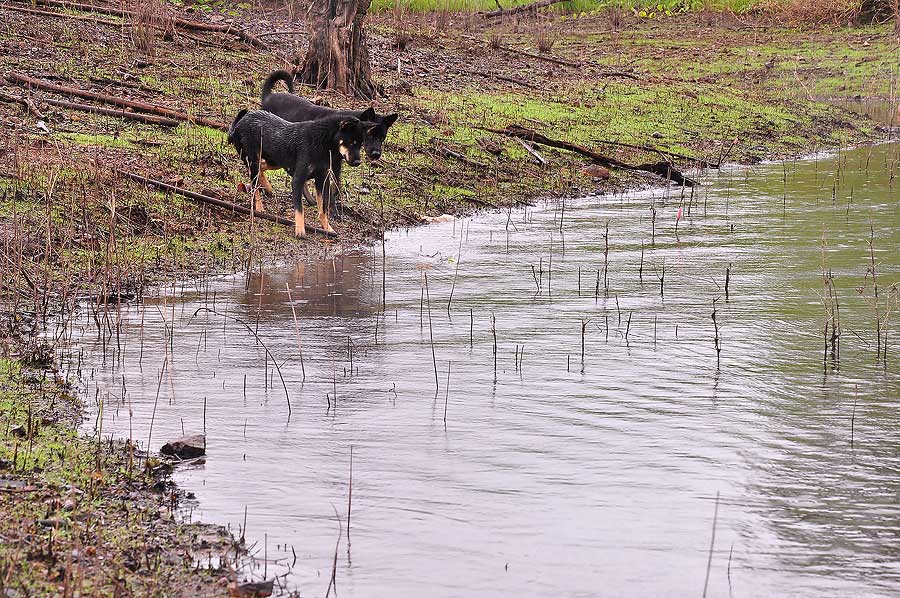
[(234, 123), (275, 78)]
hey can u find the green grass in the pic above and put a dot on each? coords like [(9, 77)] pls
[(644, 8)]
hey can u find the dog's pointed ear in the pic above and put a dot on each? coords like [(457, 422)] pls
[(389, 120), (346, 125), (368, 114)]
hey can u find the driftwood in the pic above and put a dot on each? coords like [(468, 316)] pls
[(136, 116), (663, 169), (25, 80), (213, 201), (505, 12), (25, 101), (180, 23)]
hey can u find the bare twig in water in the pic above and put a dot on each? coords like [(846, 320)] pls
[(494, 334), (332, 583), (249, 328), (162, 372), (297, 328), (455, 274), (717, 340), (431, 332), (727, 280), (712, 543), (349, 497), (447, 394)]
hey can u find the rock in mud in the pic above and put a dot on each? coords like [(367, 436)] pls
[(186, 447), (256, 589)]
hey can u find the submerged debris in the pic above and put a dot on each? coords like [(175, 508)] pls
[(186, 447)]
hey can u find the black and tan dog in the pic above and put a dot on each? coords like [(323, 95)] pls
[(306, 150), (296, 109)]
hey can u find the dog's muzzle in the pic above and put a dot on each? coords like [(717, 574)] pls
[(375, 155)]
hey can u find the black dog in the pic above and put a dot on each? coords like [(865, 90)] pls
[(306, 150), (296, 109)]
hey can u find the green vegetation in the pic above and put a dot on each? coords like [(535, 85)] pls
[(643, 8), (79, 534)]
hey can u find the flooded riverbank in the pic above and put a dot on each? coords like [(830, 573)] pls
[(565, 423)]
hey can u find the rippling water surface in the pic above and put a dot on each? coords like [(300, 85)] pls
[(562, 471)]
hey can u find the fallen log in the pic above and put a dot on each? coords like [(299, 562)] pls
[(25, 80), (213, 201), (180, 23), (136, 116), (663, 169), (505, 12), (8, 97)]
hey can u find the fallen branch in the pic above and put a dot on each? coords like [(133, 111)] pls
[(136, 116), (664, 169), (530, 149), (558, 61), (216, 202), (25, 80), (62, 15), (19, 490), (446, 151), (493, 14), (25, 101), (648, 148), (227, 29), (503, 78), (624, 74), (180, 23)]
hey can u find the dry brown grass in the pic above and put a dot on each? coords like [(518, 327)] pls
[(545, 37), (835, 12), (615, 15), (152, 17), (496, 39), (402, 33)]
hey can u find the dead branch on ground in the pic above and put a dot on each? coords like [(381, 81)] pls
[(665, 170), (213, 201), (26, 81)]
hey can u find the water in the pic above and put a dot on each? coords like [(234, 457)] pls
[(553, 475)]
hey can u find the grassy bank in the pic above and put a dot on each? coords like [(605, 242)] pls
[(84, 517)]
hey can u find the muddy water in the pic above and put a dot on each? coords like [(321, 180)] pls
[(553, 474)]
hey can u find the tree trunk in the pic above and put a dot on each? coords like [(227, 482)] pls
[(338, 57)]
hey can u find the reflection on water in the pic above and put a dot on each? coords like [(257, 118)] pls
[(587, 461), (327, 287)]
